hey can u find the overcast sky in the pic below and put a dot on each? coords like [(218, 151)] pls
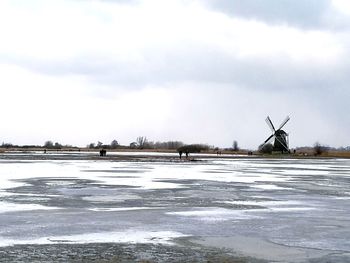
[(201, 71)]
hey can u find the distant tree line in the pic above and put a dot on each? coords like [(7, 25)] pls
[(51, 145), (113, 145), (7, 145), (143, 143)]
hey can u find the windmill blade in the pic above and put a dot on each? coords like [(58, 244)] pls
[(268, 139), (269, 122), (284, 122)]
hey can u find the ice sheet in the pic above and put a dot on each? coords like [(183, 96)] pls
[(200, 198), (269, 187), (13, 207), (214, 214), (119, 209), (129, 236)]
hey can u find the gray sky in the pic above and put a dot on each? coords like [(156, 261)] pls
[(201, 71)]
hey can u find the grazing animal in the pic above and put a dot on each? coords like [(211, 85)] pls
[(103, 152)]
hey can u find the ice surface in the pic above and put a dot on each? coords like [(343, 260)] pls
[(215, 214), (129, 236), (269, 187), (275, 203), (110, 198), (119, 209), (290, 202), (105, 173), (12, 207)]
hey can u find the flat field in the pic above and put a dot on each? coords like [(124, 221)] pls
[(152, 207)]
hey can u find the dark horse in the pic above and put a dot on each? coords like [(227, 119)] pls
[(187, 149), (103, 152)]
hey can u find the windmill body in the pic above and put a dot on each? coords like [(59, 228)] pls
[(280, 137), (281, 141)]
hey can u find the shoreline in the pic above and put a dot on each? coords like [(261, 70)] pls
[(164, 156)]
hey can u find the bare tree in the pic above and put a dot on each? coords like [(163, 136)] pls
[(141, 142), (235, 146), (319, 148)]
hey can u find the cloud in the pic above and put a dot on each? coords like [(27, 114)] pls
[(305, 14), (157, 48)]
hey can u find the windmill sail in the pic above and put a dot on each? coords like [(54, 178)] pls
[(268, 139), (269, 122), (284, 122)]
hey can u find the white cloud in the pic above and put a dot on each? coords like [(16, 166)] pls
[(67, 29), (342, 6)]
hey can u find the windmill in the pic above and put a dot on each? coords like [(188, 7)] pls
[(281, 142)]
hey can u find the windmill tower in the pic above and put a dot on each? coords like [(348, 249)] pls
[(281, 142)]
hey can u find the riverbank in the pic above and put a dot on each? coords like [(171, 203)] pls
[(143, 155)]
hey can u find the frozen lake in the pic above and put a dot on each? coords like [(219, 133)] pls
[(251, 209)]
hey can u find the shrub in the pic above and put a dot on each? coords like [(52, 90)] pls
[(266, 148)]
